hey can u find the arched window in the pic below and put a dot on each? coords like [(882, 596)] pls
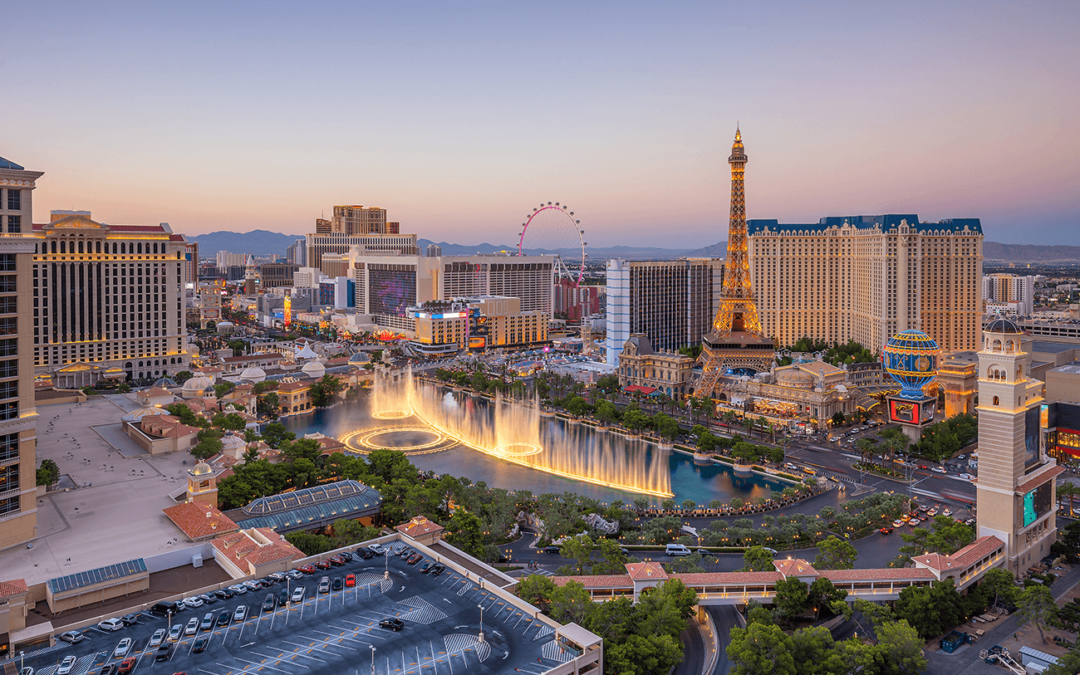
[(54, 246), (996, 401), (155, 247), (80, 246), (97, 247), (113, 248), (997, 346), (140, 248), (1008, 346), (123, 249), (63, 246)]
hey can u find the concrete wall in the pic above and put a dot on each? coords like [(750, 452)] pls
[(178, 557)]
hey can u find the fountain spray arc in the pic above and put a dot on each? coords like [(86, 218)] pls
[(511, 430)]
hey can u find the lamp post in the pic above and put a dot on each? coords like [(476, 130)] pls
[(372, 659), (481, 622)]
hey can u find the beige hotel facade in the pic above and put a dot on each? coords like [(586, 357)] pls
[(866, 278)]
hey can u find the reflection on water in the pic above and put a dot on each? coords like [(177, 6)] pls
[(687, 480)]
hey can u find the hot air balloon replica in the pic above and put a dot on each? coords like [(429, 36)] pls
[(911, 358)]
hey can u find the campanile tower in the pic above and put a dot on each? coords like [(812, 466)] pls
[(736, 342)]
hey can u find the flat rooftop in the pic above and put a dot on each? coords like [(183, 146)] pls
[(115, 511), (338, 631)]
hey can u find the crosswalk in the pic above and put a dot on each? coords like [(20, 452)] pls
[(553, 651), (545, 630), (81, 666), (465, 588), (370, 578), (460, 642)]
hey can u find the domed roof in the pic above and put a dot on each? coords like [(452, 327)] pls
[(136, 415), (1002, 326), (359, 357), (198, 384), (226, 324), (793, 377), (201, 469), (231, 441), (253, 375), (313, 369)]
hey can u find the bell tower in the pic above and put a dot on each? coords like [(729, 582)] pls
[(202, 485), (1015, 493)]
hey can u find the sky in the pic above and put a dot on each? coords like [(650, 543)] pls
[(460, 118)]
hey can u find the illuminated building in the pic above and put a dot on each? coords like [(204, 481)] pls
[(351, 220), (395, 244), (1008, 293), (736, 342), (958, 377), (641, 366), (191, 265), (18, 416), (672, 302), (573, 302), (1016, 493), (251, 277), (475, 323), (296, 253), (335, 264), (108, 295), (274, 275), (225, 260), (866, 278)]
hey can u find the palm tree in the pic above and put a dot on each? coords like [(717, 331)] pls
[(748, 424), (728, 417), (893, 445), (1070, 490), (867, 447)]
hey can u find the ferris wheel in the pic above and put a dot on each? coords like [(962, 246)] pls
[(551, 229)]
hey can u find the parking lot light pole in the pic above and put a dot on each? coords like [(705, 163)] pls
[(481, 622), (372, 659)]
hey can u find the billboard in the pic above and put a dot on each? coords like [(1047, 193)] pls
[(1031, 437), (1036, 503), (918, 413)]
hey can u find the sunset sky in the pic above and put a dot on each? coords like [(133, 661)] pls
[(458, 118)]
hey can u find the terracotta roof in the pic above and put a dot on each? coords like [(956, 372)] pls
[(165, 426), (419, 526), (598, 581), (1027, 487), (330, 445), (936, 561), (883, 574), (339, 361), (12, 587), (721, 578), (198, 521), (154, 391), (976, 551), (646, 571), (293, 386), (256, 546), (246, 358), (795, 567)]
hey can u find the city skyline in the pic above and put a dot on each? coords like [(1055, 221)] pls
[(458, 121)]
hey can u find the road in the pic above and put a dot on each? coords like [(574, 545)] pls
[(693, 642), (725, 617)]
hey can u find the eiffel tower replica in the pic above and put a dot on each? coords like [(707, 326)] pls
[(736, 343)]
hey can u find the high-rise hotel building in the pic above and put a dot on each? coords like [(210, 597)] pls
[(672, 302), (365, 227), (866, 278), (18, 416)]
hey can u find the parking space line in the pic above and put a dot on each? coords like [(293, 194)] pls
[(279, 659)]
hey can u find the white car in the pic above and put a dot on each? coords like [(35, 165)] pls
[(914, 522), (66, 665), (897, 523), (72, 636), (111, 625), (377, 549), (193, 602), (240, 614), (938, 469), (175, 632), (157, 638), (947, 512), (298, 594), (122, 649), (192, 627), (967, 476)]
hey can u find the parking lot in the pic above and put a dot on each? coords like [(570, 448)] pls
[(337, 632)]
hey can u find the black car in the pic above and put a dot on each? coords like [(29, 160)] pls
[(392, 624), (109, 669), (163, 652), (365, 554), (267, 582), (551, 549), (426, 566), (283, 597), (200, 644), (348, 557), (225, 594), (223, 618), (336, 584), (130, 619), (269, 603), (437, 570), (406, 553), (167, 608)]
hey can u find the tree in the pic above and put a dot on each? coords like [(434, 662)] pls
[(607, 412), (1035, 605), (812, 649), (578, 406), (1067, 490), (822, 594), (268, 405), (305, 448), (182, 377), (579, 549), (608, 383), (900, 648), (48, 473), (837, 419), (757, 559), (761, 649), (999, 583), (1068, 664), (633, 419), (209, 444), (792, 597), (465, 531), (643, 654), (536, 590), (310, 544), (931, 610), (324, 390), (666, 426), (835, 554), (276, 433)]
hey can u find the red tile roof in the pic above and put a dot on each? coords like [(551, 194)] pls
[(154, 392), (198, 521), (976, 551), (721, 578), (795, 567), (1027, 487), (418, 526), (12, 587), (256, 546), (598, 581), (646, 571), (294, 386), (884, 574)]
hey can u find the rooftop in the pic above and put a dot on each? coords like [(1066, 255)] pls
[(98, 575), (883, 222), (200, 521), (8, 164), (310, 507)]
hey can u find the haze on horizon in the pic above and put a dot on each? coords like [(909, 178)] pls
[(459, 118)]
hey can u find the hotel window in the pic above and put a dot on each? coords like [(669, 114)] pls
[(14, 200)]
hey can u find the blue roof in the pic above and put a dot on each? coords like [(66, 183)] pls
[(8, 164), (97, 576), (885, 222), (309, 507)]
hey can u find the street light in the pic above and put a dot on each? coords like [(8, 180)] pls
[(372, 659), (481, 622)]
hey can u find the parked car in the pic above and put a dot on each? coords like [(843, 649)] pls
[(350, 580), (240, 614), (225, 594), (269, 603), (324, 585), (426, 566), (130, 619), (66, 665), (961, 457), (346, 556), (437, 570), (283, 597), (200, 644), (298, 594), (192, 626), (914, 522), (377, 549), (306, 569), (72, 636), (252, 585), (392, 624), (897, 523), (336, 561), (365, 553), (676, 550), (111, 625), (277, 576), (122, 649), (108, 669), (193, 602), (414, 558), (294, 574), (208, 598), (207, 622), (163, 652), (223, 618), (176, 632), (126, 666), (336, 584), (323, 565)]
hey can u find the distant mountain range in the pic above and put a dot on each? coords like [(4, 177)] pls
[(262, 243)]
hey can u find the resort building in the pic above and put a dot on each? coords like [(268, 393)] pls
[(1009, 294), (866, 278), (475, 323), (640, 366), (672, 302)]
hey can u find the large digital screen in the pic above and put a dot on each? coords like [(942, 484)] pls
[(917, 413), (1031, 438), (1036, 503)]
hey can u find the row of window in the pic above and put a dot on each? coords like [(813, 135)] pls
[(14, 200), (12, 224), (62, 246)]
